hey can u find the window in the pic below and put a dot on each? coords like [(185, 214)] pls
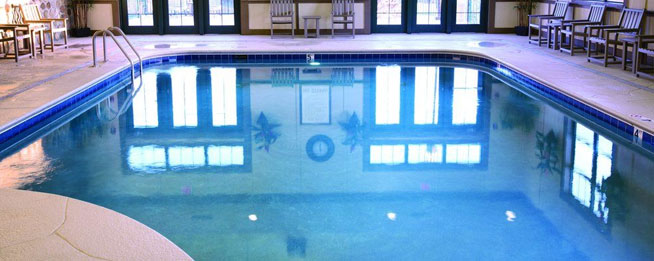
[(144, 104), (428, 12), (389, 12), (139, 13), (465, 100), (426, 96), (185, 107), (221, 12), (223, 96), (387, 95)]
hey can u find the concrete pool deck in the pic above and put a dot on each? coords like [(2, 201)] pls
[(40, 226), (32, 84)]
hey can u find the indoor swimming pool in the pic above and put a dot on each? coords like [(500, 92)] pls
[(374, 161)]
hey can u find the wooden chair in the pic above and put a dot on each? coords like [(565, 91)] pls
[(10, 38), (560, 8), (569, 29), (282, 12), (343, 13), (606, 35), (32, 15), (644, 51)]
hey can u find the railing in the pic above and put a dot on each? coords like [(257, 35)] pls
[(133, 91)]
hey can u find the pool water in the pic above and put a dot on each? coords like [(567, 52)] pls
[(376, 162)]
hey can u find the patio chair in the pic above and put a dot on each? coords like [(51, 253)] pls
[(560, 8), (606, 35), (644, 51), (282, 12), (10, 38), (343, 13), (569, 29), (31, 15)]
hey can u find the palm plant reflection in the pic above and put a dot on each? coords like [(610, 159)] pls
[(353, 128), (265, 134)]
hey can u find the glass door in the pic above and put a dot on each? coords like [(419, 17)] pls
[(181, 16), (413, 16), (389, 16), (469, 16), (222, 16), (428, 16), (139, 16)]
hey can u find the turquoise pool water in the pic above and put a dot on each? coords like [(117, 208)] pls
[(351, 163)]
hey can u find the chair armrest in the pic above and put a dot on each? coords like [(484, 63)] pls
[(574, 21), (7, 27), (645, 37), (603, 26), (37, 22), (55, 19), (622, 30), (534, 16), (585, 23)]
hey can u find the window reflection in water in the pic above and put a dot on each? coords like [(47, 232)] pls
[(463, 153), (387, 154), (423, 153), (144, 104), (225, 155), (185, 156), (426, 95), (387, 91), (223, 96), (147, 158), (592, 165), (465, 100), (184, 92)]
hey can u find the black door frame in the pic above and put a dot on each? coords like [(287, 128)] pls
[(161, 19), (448, 19)]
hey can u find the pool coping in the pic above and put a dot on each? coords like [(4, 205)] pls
[(640, 134)]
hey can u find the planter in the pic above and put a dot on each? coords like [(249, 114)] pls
[(522, 30), (80, 32)]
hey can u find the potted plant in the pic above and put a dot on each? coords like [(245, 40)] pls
[(78, 12), (524, 8)]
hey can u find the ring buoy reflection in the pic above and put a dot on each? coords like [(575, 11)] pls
[(320, 148)]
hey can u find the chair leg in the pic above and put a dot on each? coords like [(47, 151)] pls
[(65, 39), (624, 55), (52, 43), (332, 27), (588, 51), (540, 32), (606, 54), (271, 29), (15, 48)]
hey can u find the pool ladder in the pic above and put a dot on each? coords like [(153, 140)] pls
[(120, 32)]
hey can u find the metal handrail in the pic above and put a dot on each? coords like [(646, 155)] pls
[(104, 48), (131, 62)]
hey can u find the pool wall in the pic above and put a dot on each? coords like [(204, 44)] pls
[(23, 126)]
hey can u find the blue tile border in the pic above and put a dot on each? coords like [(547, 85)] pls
[(622, 128)]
